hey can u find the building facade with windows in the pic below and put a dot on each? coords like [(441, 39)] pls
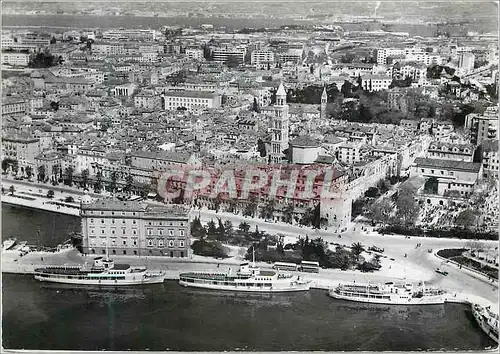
[(15, 58), (459, 177), (192, 101), (20, 147), (134, 228)]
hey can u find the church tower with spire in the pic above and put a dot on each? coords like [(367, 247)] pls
[(279, 126), (324, 101)]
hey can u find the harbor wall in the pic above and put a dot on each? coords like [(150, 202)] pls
[(37, 203)]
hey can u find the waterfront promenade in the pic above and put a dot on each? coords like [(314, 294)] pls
[(418, 265)]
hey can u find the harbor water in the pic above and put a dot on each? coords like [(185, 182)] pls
[(170, 317)]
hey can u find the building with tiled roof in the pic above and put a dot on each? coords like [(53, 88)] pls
[(460, 176), (135, 228)]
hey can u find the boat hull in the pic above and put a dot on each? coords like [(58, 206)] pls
[(484, 326), (434, 300), (277, 289), (103, 282)]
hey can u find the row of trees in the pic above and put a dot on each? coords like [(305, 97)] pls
[(313, 250)]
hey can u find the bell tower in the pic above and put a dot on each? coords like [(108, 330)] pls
[(279, 126)]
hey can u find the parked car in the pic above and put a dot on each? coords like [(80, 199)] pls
[(442, 272), (376, 249)]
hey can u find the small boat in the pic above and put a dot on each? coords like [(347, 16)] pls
[(248, 278), (104, 272), (9, 243), (18, 246), (487, 320), (389, 293)]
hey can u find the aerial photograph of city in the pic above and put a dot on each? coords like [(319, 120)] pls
[(250, 176)]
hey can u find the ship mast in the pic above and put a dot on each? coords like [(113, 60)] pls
[(253, 256)]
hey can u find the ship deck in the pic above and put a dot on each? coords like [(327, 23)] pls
[(205, 276)]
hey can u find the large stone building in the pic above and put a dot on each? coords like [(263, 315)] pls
[(192, 101), (490, 158), (134, 228), (305, 150), (450, 151), (22, 148), (459, 177), (483, 127)]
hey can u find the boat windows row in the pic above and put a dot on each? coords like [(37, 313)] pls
[(226, 283), (82, 277)]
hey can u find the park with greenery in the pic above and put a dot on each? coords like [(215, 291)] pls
[(210, 240)]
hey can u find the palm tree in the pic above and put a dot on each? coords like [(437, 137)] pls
[(55, 170), (85, 178), (129, 182), (288, 213), (41, 173), (29, 171), (98, 183), (15, 167), (5, 164), (68, 172), (250, 209), (356, 249), (114, 177), (268, 210), (244, 226)]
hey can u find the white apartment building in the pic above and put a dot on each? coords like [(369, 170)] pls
[(350, 153), (125, 90), (15, 58), (383, 53), (192, 101), (194, 53), (466, 62), (108, 48), (89, 158), (223, 54), (22, 148), (416, 71), (375, 82), (262, 57)]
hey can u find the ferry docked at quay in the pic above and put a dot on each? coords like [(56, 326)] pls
[(389, 293), (248, 278), (487, 320), (104, 272)]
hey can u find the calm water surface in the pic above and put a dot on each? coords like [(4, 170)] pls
[(89, 21), (167, 316), (26, 224), (160, 317)]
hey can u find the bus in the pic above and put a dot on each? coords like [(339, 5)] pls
[(310, 267), (285, 266)]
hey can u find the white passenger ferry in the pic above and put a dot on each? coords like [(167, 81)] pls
[(389, 293), (248, 278), (102, 273), (487, 320)]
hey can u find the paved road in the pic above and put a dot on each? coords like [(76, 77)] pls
[(395, 246)]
